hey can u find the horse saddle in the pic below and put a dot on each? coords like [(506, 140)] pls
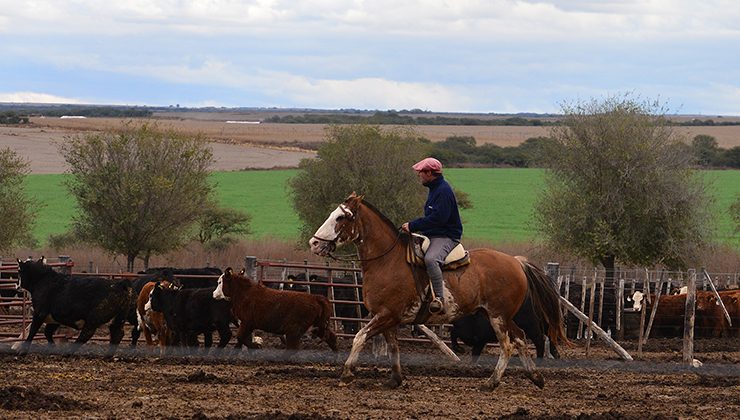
[(418, 245)]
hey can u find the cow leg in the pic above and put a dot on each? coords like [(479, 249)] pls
[(85, 335), (476, 351), (38, 319), (224, 335), (391, 337), (49, 331), (207, 341)]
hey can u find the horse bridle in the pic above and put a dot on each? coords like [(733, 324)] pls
[(348, 214)]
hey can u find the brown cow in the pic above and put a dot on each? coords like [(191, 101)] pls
[(152, 321), (713, 319), (275, 311), (709, 321)]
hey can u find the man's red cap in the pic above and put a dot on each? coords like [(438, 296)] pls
[(428, 164)]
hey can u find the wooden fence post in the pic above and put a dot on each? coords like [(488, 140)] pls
[(688, 325), (591, 300), (716, 294), (620, 309), (581, 323), (566, 296), (250, 266), (658, 292)]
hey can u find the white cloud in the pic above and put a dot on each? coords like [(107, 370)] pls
[(35, 97), (465, 19)]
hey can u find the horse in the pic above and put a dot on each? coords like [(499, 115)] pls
[(493, 281)]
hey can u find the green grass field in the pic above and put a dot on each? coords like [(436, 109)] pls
[(502, 200)]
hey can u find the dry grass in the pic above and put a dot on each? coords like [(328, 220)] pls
[(215, 128)]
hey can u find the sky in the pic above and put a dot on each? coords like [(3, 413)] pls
[(495, 56)]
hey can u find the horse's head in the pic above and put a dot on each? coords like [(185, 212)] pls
[(339, 228)]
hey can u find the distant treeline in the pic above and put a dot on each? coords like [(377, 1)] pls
[(77, 110), (394, 118), (462, 151)]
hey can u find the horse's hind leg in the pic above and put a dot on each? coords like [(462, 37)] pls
[(501, 330), (524, 356), (394, 356)]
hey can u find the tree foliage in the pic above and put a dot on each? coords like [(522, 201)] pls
[(139, 189), (620, 188), (367, 159), (18, 210), (735, 213), (219, 226)]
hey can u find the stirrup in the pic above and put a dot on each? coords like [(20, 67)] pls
[(436, 306)]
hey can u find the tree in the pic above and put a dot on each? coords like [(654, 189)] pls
[(735, 213), (365, 159), (139, 189), (706, 150), (217, 226), (619, 188), (18, 210)]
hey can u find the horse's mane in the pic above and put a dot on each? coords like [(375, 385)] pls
[(404, 236)]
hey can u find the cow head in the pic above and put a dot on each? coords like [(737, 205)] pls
[(30, 272), (637, 298), (218, 294)]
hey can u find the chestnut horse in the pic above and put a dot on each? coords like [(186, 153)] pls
[(493, 281)]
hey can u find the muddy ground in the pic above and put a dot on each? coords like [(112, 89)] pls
[(140, 384)]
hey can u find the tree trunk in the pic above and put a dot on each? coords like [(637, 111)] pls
[(609, 322), (130, 258)]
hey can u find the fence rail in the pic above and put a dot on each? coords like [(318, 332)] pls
[(605, 303)]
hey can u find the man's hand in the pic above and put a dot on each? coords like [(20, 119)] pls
[(405, 227)]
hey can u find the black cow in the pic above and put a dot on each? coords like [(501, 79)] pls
[(83, 303), (190, 282), (475, 330), (158, 273), (190, 312)]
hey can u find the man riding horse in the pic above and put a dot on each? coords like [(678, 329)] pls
[(441, 224)]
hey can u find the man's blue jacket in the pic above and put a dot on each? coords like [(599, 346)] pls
[(441, 215)]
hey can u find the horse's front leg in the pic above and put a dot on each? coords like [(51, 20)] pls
[(357, 344), (379, 323), (391, 337)]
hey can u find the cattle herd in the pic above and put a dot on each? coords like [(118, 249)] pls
[(174, 307)]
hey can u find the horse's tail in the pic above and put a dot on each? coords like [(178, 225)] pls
[(546, 301)]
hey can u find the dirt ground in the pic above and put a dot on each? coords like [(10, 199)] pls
[(140, 384)]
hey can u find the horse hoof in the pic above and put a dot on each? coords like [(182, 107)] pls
[(393, 383), (489, 386), (346, 379), (538, 380)]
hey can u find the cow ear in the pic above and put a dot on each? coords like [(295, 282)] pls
[(229, 271), (242, 272)]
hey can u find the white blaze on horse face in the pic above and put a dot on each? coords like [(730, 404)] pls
[(218, 294), (328, 230)]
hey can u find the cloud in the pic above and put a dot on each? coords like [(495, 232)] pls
[(35, 97)]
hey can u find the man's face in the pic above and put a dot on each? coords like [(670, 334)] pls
[(425, 176)]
